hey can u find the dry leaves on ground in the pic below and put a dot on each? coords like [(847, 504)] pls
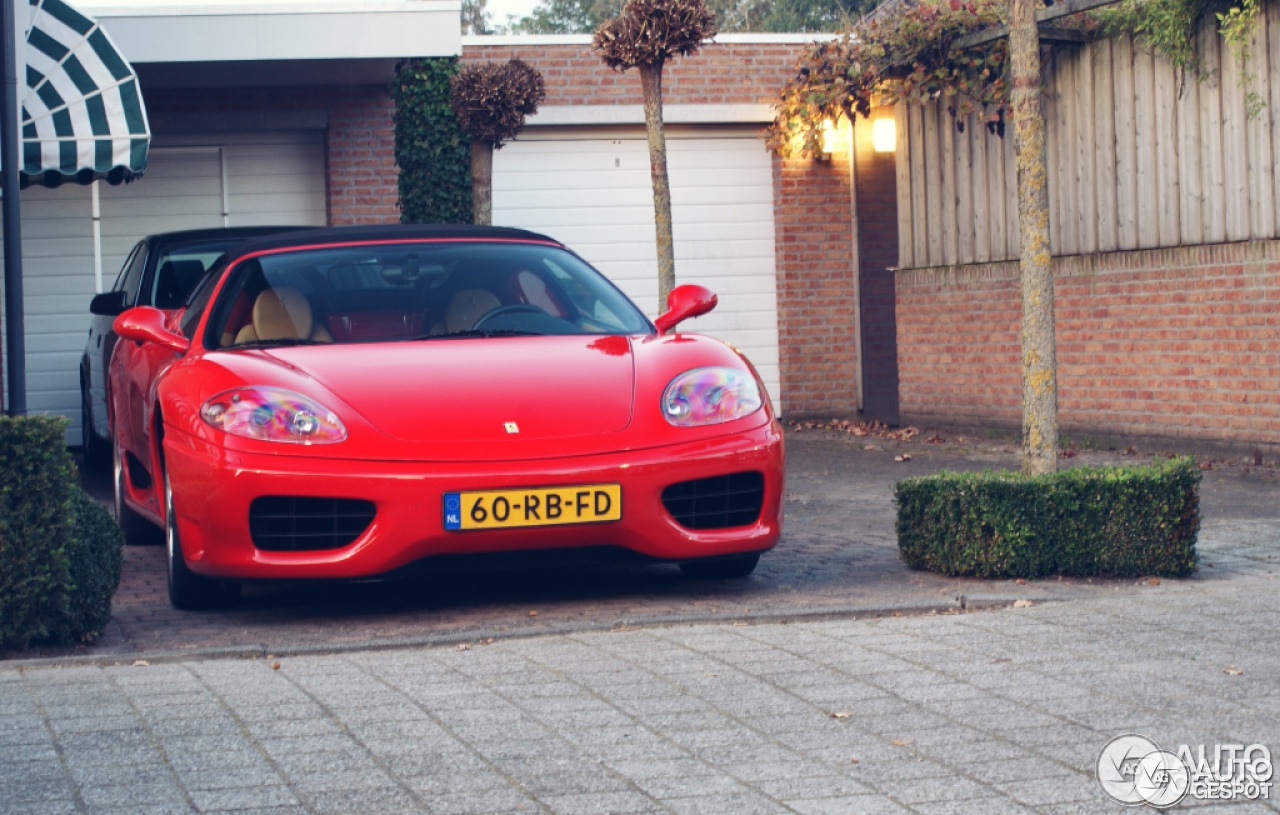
[(1232, 670), (902, 742), (903, 457), (1022, 603), (841, 715), (856, 428)]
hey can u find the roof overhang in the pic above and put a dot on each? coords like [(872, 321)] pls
[(197, 43)]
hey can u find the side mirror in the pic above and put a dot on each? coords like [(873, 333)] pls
[(147, 324), (108, 304), (683, 303)]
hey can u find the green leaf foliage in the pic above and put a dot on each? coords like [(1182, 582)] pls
[(95, 555), (433, 153), (1123, 521), (60, 551)]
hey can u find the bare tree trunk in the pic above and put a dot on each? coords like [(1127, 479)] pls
[(651, 86), (1039, 359), (482, 182)]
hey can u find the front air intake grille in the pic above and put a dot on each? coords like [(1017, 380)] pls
[(286, 523), (716, 503)]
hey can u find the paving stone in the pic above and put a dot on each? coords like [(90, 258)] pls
[(843, 805), (236, 798), (608, 803)]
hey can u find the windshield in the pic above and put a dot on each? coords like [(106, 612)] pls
[(416, 291), (179, 268)]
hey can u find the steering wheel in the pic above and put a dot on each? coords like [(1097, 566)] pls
[(511, 308)]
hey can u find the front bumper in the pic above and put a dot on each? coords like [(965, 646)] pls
[(212, 490)]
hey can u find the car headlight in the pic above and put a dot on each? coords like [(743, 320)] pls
[(273, 414), (710, 396)]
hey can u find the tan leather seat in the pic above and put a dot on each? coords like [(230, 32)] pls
[(466, 307), (282, 314)]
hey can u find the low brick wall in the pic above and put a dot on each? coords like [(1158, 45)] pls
[(1166, 342)]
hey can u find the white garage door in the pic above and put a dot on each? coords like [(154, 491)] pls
[(596, 197), (242, 180)]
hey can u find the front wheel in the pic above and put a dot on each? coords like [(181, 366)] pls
[(721, 568), (188, 590)]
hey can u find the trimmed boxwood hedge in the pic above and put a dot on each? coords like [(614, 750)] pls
[(1124, 521), (60, 551)]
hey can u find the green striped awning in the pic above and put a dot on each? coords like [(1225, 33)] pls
[(82, 115)]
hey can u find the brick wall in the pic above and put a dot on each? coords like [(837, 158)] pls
[(720, 73), (816, 308), (360, 162), (1170, 342)]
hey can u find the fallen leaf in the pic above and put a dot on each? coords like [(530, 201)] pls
[(740, 624), (902, 742), (533, 614), (934, 439), (853, 761), (140, 663), (1232, 670), (841, 715), (1020, 581), (1066, 454), (869, 447), (903, 457), (1022, 603), (275, 666), (1001, 659), (711, 674), (462, 646), (489, 641), (1154, 582), (1206, 466)]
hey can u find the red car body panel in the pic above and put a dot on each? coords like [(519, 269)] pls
[(425, 418)]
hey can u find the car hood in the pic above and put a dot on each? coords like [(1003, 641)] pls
[(479, 389)]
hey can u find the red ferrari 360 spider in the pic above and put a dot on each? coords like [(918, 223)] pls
[(350, 403)]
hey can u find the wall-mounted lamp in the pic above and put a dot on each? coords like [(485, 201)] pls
[(832, 140), (884, 135)]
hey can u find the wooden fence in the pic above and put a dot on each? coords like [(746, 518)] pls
[(1137, 159)]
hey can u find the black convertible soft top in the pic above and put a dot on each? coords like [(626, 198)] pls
[(385, 232)]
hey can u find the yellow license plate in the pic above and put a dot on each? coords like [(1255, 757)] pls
[(543, 506)]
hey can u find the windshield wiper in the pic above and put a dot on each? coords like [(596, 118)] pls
[(479, 332), (283, 341)]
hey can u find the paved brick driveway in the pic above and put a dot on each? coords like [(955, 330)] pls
[(838, 558)]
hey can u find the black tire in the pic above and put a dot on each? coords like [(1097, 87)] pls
[(97, 450), (187, 590), (137, 530), (724, 568)]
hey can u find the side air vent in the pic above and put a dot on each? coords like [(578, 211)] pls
[(716, 503), (286, 523)]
